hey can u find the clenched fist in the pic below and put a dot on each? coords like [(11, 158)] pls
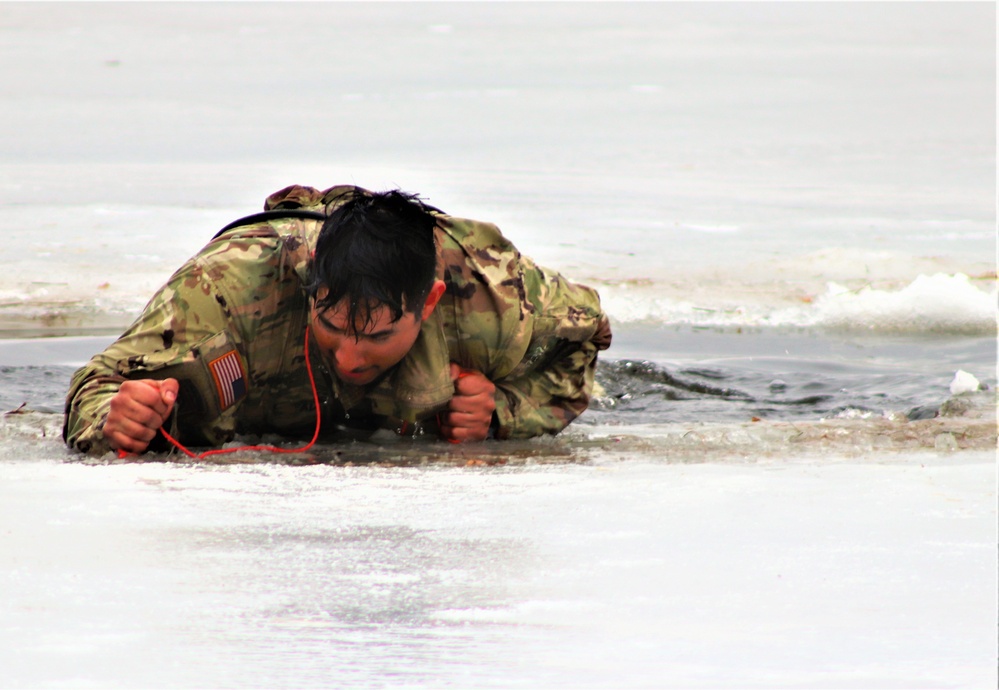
[(470, 411), (138, 410)]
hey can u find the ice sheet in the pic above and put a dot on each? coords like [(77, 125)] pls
[(624, 572)]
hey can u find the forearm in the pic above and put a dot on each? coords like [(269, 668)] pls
[(545, 401), (87, 406), (166, 341)]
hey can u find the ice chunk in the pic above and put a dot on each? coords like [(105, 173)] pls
[(963, 383)]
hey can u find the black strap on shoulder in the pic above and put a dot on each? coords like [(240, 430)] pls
[(276, 214)]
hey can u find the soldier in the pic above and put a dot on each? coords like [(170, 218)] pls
[(415, 320)]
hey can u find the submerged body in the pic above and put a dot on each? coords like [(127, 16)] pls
[(230, 326)]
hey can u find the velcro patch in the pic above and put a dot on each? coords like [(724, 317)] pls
[(230, 379)]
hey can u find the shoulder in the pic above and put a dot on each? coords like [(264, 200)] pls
[(300, 196), (488, 314), (475, 237), (478, 248)]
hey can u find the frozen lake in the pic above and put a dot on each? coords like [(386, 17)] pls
[(870, 572), (789, 210)]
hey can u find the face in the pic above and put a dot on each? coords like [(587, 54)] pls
[(360, 356)]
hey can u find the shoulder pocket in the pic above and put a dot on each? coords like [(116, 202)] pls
[(212, 373)]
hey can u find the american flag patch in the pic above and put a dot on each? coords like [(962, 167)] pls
[(230, 379)]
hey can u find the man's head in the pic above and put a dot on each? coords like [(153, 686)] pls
[(373, 282)]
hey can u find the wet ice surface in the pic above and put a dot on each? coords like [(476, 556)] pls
[(773, 573), (848, 553)]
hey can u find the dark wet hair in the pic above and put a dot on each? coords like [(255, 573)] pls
[(376, 249)]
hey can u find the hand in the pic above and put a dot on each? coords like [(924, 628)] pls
[(138, 410), (471, 409)]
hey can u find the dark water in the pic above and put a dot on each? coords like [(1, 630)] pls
[(658, 375), (37, 387), (686, 375)]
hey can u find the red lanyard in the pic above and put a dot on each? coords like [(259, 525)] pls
[(273, 449)]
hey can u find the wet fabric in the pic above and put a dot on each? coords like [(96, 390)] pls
[(230, 325)]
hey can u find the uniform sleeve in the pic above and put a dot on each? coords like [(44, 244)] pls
[(553, 383), (535, 334), (183, 330)]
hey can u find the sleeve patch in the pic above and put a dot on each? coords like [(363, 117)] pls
[(230, 379)]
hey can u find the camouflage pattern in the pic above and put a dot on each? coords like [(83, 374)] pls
[(529, 330)]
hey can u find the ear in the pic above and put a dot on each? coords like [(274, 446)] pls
[(436, 292)]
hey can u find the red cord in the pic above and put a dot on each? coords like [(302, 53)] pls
[(273, 449)]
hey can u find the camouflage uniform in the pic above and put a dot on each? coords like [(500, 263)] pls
[(230, 325)]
